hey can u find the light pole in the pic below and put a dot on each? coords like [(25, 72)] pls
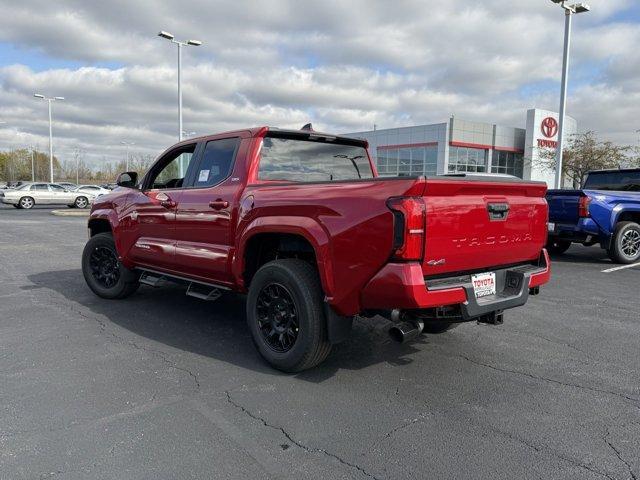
[(127, 144), (569, 11), (76, 153), (49, 100), (193, 43)]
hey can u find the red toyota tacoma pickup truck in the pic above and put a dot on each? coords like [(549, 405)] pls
[(300, 221)]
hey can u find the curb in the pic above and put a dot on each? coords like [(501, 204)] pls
[(71, 213)]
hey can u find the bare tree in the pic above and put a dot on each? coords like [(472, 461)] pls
[(584, 152)]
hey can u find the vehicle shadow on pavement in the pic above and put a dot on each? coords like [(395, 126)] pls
[(214, 329), (580, 254)]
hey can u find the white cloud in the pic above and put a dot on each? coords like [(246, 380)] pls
[(342, 65)]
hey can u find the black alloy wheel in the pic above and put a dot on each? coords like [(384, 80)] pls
[(104, 266), (277, 317)]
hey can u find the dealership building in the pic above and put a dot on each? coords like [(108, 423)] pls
[(463, 146)]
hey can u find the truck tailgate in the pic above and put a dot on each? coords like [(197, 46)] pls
[(563, 206), (473, 224)]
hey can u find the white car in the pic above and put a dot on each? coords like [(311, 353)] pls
[(30, 194), (94, 189)]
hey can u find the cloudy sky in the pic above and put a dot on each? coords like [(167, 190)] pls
[(343, 65)]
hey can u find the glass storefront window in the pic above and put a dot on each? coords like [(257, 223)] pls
[(467, 160), (510, 163), (407, 161)]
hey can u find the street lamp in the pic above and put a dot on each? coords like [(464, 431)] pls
[(193, 43), (49, 100), (127, 144), (569, 11)]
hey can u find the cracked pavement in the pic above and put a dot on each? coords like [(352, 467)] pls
[(165, 386)]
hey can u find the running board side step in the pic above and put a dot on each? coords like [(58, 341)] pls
[(151, 279), (203, 292), (196, 289)]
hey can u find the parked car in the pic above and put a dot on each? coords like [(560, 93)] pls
[(605, 212), (300, 222), (67, 185), (93, 189), (30, 194), (4, 186)]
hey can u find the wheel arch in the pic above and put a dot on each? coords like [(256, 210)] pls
[(106, 221), (628, 215), (99, 225), (297, 237)]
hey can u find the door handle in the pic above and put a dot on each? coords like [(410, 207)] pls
[(170, 204), (165, 201), (218, 204)]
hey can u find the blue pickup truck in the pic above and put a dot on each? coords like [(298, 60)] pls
[(605, 212)]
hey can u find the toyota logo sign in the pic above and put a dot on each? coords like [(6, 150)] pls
[(549, 127)]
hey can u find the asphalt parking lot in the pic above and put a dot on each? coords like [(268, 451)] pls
[(164, 386)]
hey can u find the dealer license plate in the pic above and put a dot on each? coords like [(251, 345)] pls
[(484, 284)]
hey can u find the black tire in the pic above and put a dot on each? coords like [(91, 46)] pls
[(298, 304), (27, 203), (81, 202), (625, 244), (103, 272), (557, 246), (17, 206), (71, 206)]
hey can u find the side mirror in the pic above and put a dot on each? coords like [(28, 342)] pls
[(127, 179)]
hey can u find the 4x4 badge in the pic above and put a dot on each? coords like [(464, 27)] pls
[(433, 263)]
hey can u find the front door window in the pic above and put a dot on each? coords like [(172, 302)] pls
[(171, 171)]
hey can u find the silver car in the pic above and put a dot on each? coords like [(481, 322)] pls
[(96, 190), (30, 194)]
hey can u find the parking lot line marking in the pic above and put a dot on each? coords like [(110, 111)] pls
[(614, 269)]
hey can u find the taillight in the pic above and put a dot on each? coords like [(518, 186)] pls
[(583, 207), (408, 227)]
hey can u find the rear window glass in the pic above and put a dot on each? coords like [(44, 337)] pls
[(311, 161), (628, 181)]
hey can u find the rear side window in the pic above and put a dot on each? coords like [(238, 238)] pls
[(40, 187), (217, 162), (628, 181), (300, 160)]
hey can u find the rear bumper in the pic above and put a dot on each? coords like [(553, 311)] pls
[(576, 232), (403, 286)]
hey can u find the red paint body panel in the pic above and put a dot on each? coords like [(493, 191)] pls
[(459, 228), (348, 224)]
